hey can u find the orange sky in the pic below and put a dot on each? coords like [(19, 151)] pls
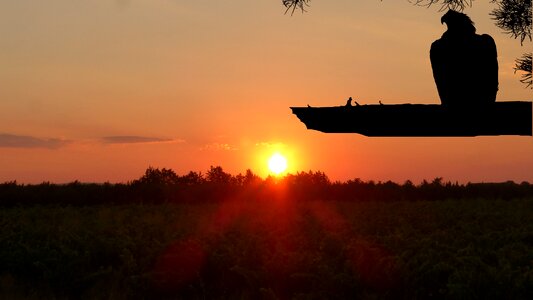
[(100, 90)]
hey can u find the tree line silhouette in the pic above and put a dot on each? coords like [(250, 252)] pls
[(159, 186)]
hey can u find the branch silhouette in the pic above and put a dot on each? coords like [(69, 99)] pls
[(524, 64), (295, 4), (445, 4), (514, 17)]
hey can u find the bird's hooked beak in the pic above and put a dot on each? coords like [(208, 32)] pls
[(445, 17)]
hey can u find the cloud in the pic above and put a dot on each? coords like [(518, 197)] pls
[(24, 141), (270, 145), (132, 139), (219, 147)]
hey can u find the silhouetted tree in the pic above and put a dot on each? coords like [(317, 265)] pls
[(193, 178), (156, 185), (218, 176), (164, 186), (308, 185), (156, 176), (513, 16), (250, 178)]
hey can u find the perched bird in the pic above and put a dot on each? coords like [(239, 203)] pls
[(349, 102), (380, 102), (308, 105), (465, 64)]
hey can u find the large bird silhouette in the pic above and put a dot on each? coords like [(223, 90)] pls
[(465, 64)]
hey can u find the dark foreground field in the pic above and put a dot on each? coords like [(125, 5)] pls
[(468, 249)]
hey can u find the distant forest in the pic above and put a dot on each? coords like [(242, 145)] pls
[(165, 186)]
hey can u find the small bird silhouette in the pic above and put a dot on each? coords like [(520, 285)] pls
[(349, 102), (308, 105), (380, 102), (356, 104)]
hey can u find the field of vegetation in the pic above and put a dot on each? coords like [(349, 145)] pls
[(261, 239)]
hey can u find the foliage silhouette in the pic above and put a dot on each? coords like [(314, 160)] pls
[(514, 17), (165, 186), (524, 64)]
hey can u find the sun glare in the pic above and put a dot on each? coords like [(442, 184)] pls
[(277, 163)]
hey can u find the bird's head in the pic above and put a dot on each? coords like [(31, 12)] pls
[(457, 21)]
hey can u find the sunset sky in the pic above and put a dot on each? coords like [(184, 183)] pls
[(99, 90)]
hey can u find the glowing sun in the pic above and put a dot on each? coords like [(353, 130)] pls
[(277, 163)]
